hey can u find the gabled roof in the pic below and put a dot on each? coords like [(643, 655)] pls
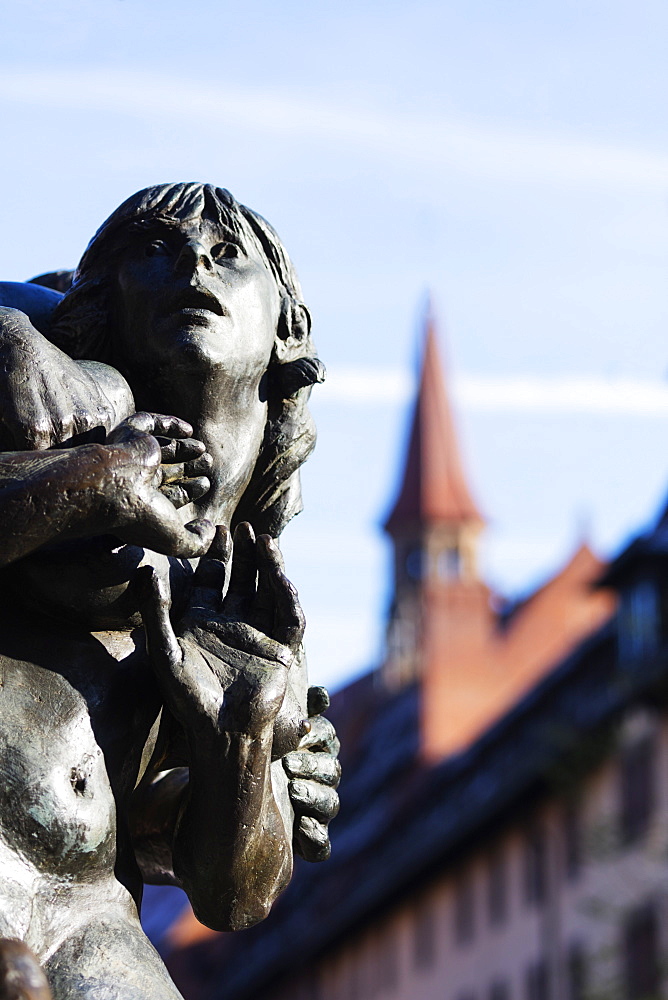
[(555, 618), (433, 487)]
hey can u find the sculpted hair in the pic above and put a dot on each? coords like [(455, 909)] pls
[(83, 327)]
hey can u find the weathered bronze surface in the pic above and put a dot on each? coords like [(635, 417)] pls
[(156, 725)]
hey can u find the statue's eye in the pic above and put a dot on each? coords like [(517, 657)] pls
[(157, 248), (224, 251)]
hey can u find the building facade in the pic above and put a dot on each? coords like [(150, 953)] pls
[(503, 832)]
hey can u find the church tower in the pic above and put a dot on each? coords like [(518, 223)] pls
[(440, 620)]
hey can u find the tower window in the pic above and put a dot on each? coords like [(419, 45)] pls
[(414, 564), (449, 563)]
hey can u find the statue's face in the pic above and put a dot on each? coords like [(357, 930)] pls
[(193, 295), (197, 318)]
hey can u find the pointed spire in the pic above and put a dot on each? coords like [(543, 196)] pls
[(433, 487)]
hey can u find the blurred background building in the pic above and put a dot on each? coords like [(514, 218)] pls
[(503, 832)]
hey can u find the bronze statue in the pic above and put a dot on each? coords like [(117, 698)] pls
[(156, 725)]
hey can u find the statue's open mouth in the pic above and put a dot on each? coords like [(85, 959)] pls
[(197, 301)]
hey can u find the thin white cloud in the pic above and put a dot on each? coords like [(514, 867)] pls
[(577, 394), (366, 386), (510, 394), (432, 144)]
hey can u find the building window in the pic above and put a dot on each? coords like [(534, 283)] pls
[(638, 623), (424, 935), (572, 833), (538, 981), (576, 972), (637, 776), (497, 888), (641, 954), (464, 911), (354, 977), (535, 867), (313, 985), (499, 990), (387, 957)]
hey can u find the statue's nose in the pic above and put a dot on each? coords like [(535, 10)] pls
[(193, 255)]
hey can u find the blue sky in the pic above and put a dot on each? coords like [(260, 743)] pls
[(510, 157)]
